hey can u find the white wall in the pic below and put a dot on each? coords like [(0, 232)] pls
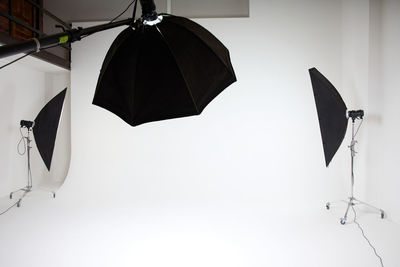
[(355, 49), (383, 145), (244, 183)]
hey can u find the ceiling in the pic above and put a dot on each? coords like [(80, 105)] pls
[(104, 10)]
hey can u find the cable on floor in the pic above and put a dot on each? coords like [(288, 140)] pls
[(365, 237)]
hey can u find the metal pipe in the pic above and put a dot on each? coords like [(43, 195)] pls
[(69, 36), (352, 158), (28, 145), (148, 9)]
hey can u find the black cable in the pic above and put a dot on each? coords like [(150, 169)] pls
[(134, 1), (15, 60), (32, 52), (13, 205), (9, 208), (28, 54), (19, 143), (49, 14), (30, 179), (359, 126), (134, 10), (365, 237), (123, 11)]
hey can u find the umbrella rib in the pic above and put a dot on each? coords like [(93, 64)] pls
[(183, 76), (229, 67), (105, 64)]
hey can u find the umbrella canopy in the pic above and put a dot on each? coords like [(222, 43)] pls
[(46, 126), (168, 70), (331, 113)]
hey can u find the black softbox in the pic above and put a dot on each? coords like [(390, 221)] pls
[(46, 126), (331, 113)]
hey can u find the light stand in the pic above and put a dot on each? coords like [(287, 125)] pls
[(28, 188), (354, 114)]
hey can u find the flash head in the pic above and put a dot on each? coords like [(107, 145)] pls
[(356, 114), (27, 124)]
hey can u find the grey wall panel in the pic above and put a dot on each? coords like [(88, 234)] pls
[(210, 8), (95, 10)]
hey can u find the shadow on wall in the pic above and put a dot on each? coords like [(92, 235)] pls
[(6, 132)]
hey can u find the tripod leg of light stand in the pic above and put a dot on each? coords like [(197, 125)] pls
[(381, 211), (350, 203), (329, 204), (353, 202), (27, 188)]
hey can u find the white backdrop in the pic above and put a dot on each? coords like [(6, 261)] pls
[(244, 183), (253, 141)]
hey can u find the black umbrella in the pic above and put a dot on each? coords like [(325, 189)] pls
[(171, 69), (331, 114), (46, 125)]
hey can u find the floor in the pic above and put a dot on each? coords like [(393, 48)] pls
[(51, 232)]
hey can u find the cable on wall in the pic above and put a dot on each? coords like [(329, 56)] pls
[(123, 12)]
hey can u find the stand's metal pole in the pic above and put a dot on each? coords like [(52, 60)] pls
[(28, 187), (28, 145), (353, 154)]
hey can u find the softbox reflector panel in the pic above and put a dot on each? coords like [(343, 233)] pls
[(331, 111), (169, 70), (46, 126)]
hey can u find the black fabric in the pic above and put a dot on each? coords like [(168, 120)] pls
[(46, 125), (331, 114), (170, 70)]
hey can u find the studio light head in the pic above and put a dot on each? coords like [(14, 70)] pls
[(356, 114), (27, 124)]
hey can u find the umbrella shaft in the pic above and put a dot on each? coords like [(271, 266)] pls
[(148, 8)]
